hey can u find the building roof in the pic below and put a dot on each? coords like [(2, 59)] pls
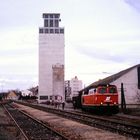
[(109, 79), (45, 15)]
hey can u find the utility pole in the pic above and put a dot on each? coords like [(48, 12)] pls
[(123, 103)]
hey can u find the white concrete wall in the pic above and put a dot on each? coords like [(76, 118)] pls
[(51, 52), (58, 80), (130, 82), (76, 85)]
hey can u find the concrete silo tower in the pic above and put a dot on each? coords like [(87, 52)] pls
[(51, 58)]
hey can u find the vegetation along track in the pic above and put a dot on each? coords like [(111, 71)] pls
[(32, 128), (123, 128)]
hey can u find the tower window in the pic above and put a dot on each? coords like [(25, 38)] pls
[(45, 16), (46, 31), (57, 31), (46, 23), (57, 16), (43, 97), (51, 23), (51, 16), (40, 31), (62, 31), (50, 97), (56, 23), (51, 31)]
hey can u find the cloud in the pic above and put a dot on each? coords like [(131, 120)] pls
[(124, 50), (134, 4), (100, 36), (18, 81), (18, 59)]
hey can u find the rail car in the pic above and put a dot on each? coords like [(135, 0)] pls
[(100, 98)]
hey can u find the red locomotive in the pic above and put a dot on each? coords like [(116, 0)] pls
[(102, 97)]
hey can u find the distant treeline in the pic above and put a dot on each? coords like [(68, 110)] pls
[(27, 97)]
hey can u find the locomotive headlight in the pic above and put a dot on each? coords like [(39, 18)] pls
[(101, 103), (114, 103)]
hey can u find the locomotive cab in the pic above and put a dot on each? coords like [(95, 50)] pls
[(101, 97)]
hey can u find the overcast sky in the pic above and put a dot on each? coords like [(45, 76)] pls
[(102, 37)]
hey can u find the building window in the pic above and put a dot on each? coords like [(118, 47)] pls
[(45, 16), (43, 97), (56, 23), (56, 16), (46, 23), (55, 97), (50, 97), (51, 23), (51, 16), (57, 31), (40, 31), (46, 31), (51, 31), (62, 31)]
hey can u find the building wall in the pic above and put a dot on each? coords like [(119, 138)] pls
[(130, 83), (12, 96), (74, 85), (58, 80)]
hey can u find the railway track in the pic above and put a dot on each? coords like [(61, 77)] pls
[(123, 128), (134, 120), (31, 128)]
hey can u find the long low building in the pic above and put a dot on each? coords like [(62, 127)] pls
[(131, 83)]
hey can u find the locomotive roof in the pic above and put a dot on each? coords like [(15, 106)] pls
[(108, 80)]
